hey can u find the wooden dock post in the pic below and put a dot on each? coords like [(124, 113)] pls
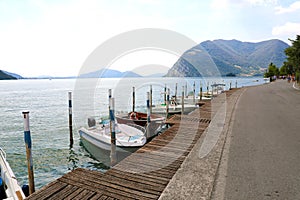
[(70, 119), (194, 92), (113, 155), (201, 91), (151, 99), (230, 85), (165, 94), (148, 116), (182, 100), (207, 88), (27, 139), (167, 103), (176, 92), (236, 84), (133, 99), (186, 93)]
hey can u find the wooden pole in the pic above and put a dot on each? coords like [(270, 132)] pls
[(113, 156), (230, 85), (167, 103), (194, 92), (148, 116), (27, 139), (165, 94), (133, 99), (186, 93), (236, 84), (150, 99), (70, 119), (176, 92), (207, 87), (182, 100), (201, 91)]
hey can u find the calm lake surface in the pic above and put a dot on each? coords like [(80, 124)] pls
[(47, 101)]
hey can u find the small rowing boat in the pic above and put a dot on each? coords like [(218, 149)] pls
[(9, 187)]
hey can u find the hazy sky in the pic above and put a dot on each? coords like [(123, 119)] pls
[(54, 37)]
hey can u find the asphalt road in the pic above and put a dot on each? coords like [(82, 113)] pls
[(263, 161)]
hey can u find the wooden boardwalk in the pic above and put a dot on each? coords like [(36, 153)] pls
[(142, 175)]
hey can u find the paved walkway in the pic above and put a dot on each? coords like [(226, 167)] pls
[(261, 159)]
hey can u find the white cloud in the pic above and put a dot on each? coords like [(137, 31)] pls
[(222, 4), (287, 29), (292, 8)]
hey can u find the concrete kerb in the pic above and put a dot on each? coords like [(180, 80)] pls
[(196, 177), (296, 86)]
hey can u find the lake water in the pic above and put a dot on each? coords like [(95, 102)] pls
[(47, 101)]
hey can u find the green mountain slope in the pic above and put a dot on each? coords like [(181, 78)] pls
[(221, 57)]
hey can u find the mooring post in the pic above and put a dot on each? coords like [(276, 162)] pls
[(207, 88), (167, 103), (236, 84), (230, 85), (165, 94), (201, 91), (148, 116), (113, 156), (186, 93), (150, 99), (27, 139), (176, 92), (212, 91), (182, 100), (70, 119), (194, 92), (133, 99)]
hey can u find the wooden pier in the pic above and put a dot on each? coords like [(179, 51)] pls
[(142, 175)]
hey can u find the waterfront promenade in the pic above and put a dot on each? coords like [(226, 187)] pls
[(258, 150), (261, 157)]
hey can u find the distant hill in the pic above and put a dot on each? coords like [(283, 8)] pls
[(230, 57), (5, 76), (109, 73), (13, 74)]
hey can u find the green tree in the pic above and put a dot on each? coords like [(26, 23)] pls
[(293, 54), (272, 71)]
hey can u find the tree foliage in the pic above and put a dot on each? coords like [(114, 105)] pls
[(272, 71), (293, 54)]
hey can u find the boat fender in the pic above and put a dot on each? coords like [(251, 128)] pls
[(2, 191), (25, 189), (91, 122)]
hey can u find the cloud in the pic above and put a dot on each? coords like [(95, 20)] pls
[(288, 28), (222, 4), (292, 8)]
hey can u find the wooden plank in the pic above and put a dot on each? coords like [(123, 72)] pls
[(74, 194), (136, 178), (64, 193), (89, 183), (107, 179), (48, 191)]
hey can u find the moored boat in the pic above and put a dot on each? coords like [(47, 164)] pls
[(128, 137), (139, 118), (9, 187)]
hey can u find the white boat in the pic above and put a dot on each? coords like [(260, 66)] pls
[(128, 137), (9, 187), (174, 108)]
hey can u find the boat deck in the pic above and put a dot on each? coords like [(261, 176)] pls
[(142, 175)]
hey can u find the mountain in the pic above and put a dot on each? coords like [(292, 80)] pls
[(109, 73), (5, 76), (229, 57), (13, 74)]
